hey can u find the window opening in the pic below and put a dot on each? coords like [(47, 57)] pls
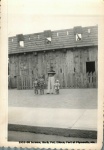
[(48, 36), (48, 40), (67, 33), (89, 30), (12, 40), (78, 37), (21, 43), (57, 34), (20, 40)]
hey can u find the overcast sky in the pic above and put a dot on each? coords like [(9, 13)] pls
[(29, 16)]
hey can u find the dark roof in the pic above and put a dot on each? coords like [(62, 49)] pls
[(59, 39)]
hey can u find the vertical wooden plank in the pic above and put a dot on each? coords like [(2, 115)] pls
[(56, 64), (91, 79), (59, 66), (29, 83), (47, 66), (84, 79), (71, 80), (46, 75), (24, 82), (41, 64), (79, 80), (18, 72), (65, 67), (96, 60), (81, 75), (68, 80), (61, 69), (78, 62), (88, 80), (81, 61), (70, 68), (84, 62), (21, 82), (63, 81), (30, 71), (94, 79), (36, 66), (62, 66)]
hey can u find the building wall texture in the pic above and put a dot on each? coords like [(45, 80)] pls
[(68, 56)]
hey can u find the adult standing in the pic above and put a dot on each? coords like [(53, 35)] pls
[(51, 81)]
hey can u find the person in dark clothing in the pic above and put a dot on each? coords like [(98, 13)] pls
[(35, 86), (41, 85)]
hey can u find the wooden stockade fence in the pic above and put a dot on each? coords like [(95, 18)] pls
[(75, 80), (24, 82)]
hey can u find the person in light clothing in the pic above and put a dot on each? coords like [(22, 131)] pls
[(57, 87), (51, 81)]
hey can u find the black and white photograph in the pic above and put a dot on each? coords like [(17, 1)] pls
[(53, 74)]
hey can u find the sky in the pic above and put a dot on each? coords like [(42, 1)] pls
[(32, 16)]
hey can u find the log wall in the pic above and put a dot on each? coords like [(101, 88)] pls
[(69, 65), (59, 39)]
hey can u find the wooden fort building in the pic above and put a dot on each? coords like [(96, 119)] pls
[(72, 52)]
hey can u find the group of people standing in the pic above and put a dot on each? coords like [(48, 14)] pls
[(53, 85)]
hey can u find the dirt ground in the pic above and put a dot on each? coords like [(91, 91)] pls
[(68, 98)]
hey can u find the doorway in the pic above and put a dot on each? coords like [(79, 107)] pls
[(90, 67)]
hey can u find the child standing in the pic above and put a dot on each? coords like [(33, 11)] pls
[(35, 86), (57, 86), (41, 85)]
